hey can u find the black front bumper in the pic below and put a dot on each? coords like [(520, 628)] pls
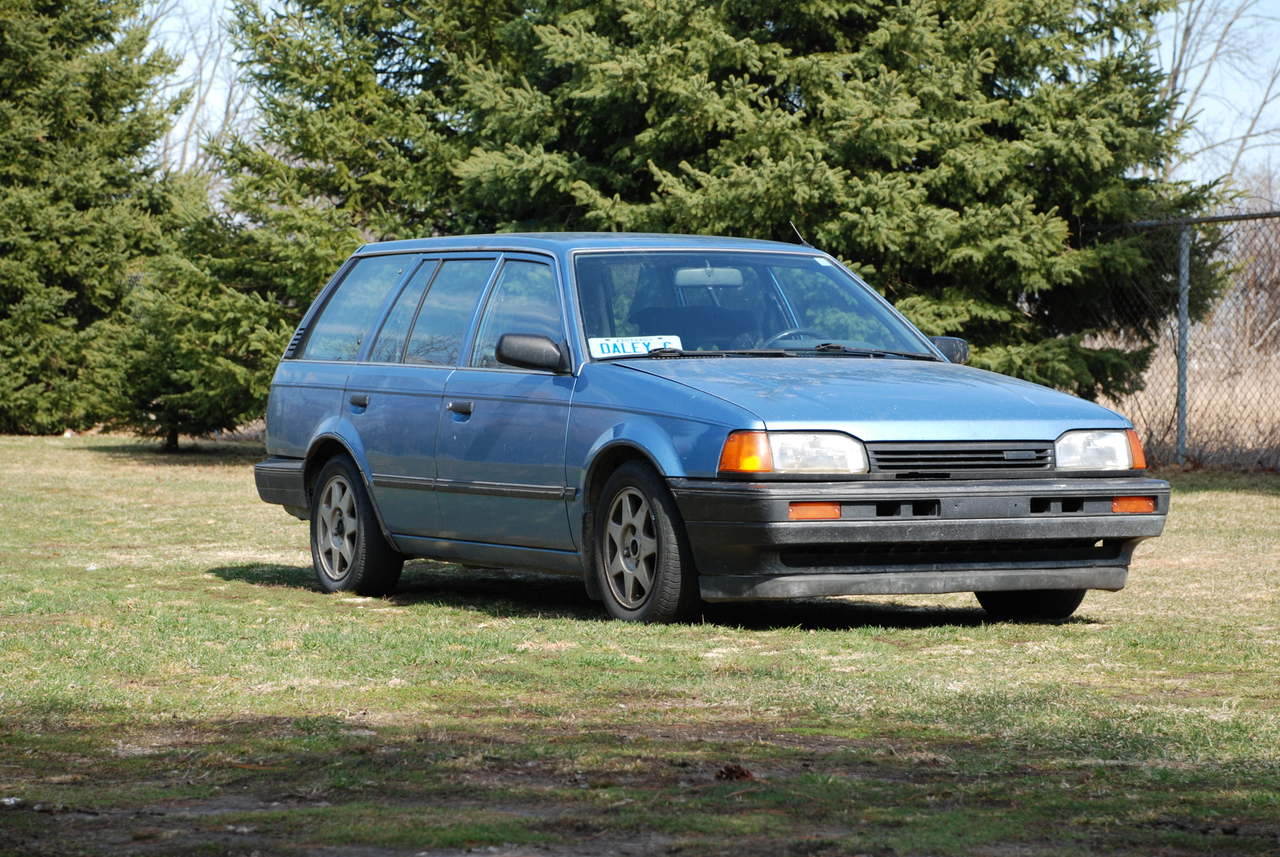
[(914, 537)]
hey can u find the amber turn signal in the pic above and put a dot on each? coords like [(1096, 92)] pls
[(746, 452), (813, 511), (1133, 505), (1136, 455)]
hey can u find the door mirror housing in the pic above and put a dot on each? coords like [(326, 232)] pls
[(531, 351), (953, 348)]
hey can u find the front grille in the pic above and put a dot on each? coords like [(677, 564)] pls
[(944, 459), (873, 554)]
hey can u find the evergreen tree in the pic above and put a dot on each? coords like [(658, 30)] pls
[(78, 114), (970, 157), (191, 350)]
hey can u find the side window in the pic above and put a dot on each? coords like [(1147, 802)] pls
[(390, 342), (525, 300), (351, 310), (446, 312)]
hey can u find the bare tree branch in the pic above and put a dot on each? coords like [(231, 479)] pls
[(1210, 48), (218, 101)]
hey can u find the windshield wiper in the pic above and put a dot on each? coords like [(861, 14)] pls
[(739, 352), (871, 352), (677, 352)]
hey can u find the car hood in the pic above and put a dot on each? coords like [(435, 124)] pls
[(884, 399)]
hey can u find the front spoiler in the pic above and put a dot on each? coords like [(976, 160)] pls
[(759, 587), (914, 537)]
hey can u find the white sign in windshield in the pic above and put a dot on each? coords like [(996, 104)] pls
[(626, 346)]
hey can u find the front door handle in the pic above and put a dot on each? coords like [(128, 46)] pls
[(462, 408), (360, 400)]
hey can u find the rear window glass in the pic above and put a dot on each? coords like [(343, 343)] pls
[(446, 312), (352, 310)]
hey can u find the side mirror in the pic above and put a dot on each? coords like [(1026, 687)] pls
[(531, 351), (953, 348)]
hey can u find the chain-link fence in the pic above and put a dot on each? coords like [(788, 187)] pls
[(1211, 394)]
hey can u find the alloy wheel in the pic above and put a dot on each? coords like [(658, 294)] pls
[(630, 548), (338, 528)]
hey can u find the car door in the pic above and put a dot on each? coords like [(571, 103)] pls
[(395, 393), (500, 454)]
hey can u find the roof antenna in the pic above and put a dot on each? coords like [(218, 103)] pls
[(798, 235)]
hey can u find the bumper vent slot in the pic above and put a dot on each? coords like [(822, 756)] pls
[(959, 459), (951, 553)]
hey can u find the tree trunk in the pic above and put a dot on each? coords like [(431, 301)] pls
[(171, 441)]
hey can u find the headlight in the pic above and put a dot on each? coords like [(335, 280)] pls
[(1099, 450), (792, 452)]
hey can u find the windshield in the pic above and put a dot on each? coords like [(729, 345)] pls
[(707, 301)]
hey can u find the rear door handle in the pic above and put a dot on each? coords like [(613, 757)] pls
[(463, 408), (360, 400)]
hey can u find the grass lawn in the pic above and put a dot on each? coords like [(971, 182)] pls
[(172, 683)]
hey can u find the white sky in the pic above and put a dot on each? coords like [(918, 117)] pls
[(1238, 83)]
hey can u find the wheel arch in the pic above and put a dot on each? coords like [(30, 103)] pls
[(607, 459), (330, 445), (321, 450)]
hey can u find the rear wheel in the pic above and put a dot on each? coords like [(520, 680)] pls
[(348, 550), (1031, 604), (642, 558)]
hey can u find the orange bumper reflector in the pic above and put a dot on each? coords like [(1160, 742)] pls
[(1133, 505), (1135, 450), (813, 511), (746, 452)]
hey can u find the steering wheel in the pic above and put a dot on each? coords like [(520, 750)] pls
[(792, 331)]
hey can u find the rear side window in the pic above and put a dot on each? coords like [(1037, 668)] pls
[(525, 300), (351, 310), (446, 312), (390, 341)]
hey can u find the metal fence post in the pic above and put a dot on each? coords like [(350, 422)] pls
[(1184, 326), (1237, 345)]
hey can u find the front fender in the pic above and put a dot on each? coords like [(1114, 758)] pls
[(642, 434), (675, 447)]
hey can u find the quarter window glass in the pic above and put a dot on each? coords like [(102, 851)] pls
[(345, 320), (524, 301), (390, 340), (446, 312)]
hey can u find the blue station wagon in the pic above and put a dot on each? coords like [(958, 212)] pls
[(680, 419)]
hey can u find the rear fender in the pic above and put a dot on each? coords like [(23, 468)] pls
[(340, 431)]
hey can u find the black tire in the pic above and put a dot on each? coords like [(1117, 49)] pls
[(641, 555), (1032, 605), (348, 550)]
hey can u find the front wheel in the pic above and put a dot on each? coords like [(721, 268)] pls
[(348, 550), (1032, 604), (641, 555)]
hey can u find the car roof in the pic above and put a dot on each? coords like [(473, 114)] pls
[(566, 242)]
